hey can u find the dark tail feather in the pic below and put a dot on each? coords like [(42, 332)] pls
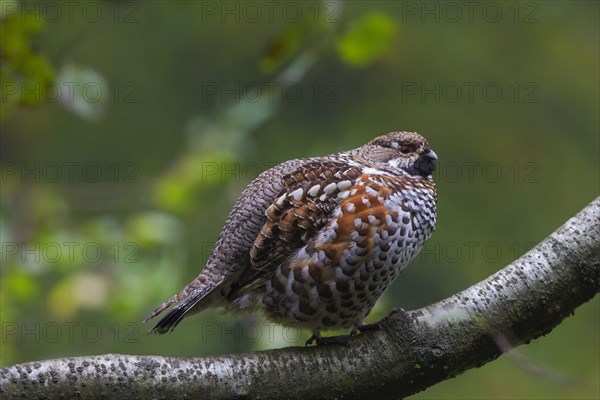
[(171, 320), (162, 308), (188, 302)]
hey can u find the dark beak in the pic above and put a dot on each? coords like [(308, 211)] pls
[(425, 164), (431, 154)]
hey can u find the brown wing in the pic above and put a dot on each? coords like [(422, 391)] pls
[(298, 211), (230, 257)]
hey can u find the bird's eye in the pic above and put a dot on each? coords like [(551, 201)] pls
[(407, 149)]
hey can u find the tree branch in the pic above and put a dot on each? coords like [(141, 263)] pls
[(411, 352)]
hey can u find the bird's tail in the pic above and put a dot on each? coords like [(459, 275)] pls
[(193, 298)]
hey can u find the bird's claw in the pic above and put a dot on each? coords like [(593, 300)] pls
[(365, 327), (369, 327), (340, 340)]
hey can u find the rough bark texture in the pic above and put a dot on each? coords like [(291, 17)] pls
[(411, 352)]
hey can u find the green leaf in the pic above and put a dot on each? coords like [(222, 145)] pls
[(21, 285), (368, 39), (281, 48)]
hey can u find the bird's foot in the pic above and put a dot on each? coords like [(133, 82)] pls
[(365, 327), (340, 340), (343, 339)]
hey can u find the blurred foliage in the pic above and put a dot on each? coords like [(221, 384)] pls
[(25, 75), (369, 38), (84, 90), (113, 196)]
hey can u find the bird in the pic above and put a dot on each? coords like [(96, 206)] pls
[(314, 242)]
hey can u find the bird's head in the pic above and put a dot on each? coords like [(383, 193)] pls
[(401, 153)]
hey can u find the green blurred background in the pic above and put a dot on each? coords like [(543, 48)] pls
[(129, 129)]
